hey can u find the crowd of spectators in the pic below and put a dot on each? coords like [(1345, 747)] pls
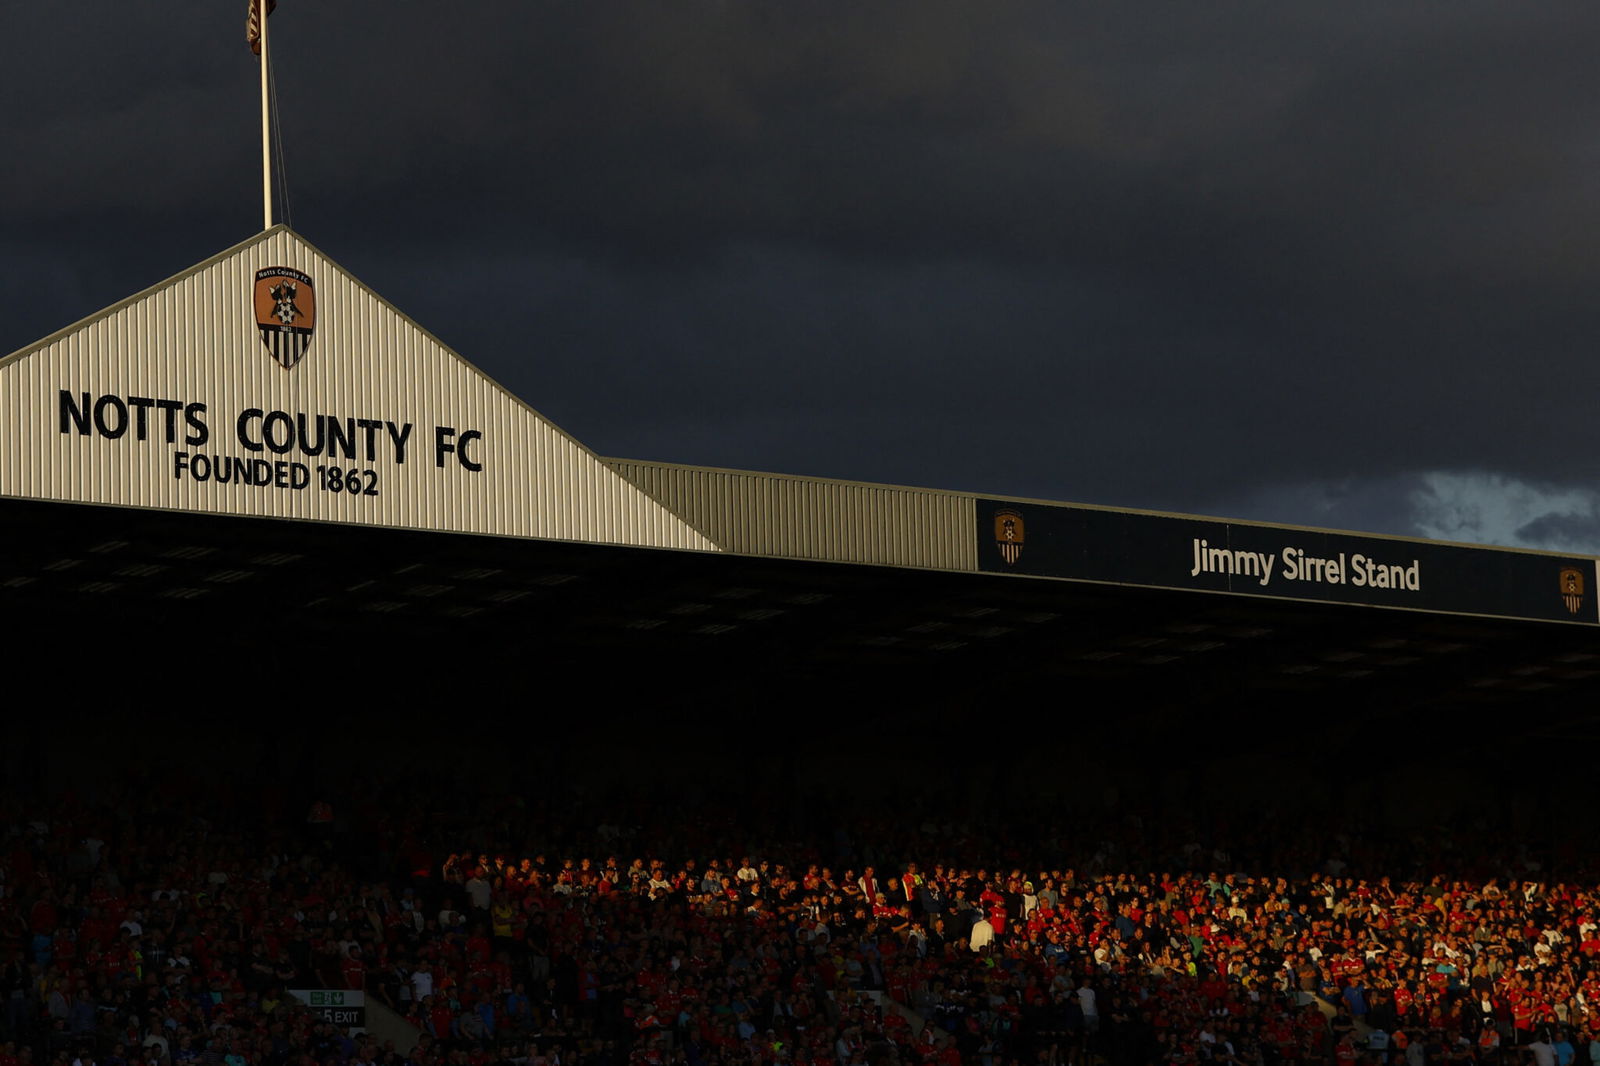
[(510, 933)]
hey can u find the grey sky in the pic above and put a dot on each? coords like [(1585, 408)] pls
[(1328, 264)]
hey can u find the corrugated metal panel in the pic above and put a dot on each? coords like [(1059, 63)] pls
[(194, 339), (813, 518)]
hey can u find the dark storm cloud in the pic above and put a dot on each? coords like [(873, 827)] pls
[(1571, 531), (1281, 258)]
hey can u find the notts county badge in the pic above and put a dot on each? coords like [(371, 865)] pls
[(1008, 535), (286, 313), (1572, 588)]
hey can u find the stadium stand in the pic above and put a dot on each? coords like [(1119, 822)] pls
[(541, 925)]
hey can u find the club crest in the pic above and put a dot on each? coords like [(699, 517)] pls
[(1008, 534), (1572, 588), (286, 313)]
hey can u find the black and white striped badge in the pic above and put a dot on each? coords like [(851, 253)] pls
[(286, 313), (1008, 534), (1572, 588)]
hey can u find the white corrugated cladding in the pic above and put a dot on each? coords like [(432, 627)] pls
[(815, 518), (195, 340)]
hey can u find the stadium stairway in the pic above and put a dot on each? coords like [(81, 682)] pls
[(385, 1025)]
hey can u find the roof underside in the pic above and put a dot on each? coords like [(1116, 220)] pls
[(211, 598)]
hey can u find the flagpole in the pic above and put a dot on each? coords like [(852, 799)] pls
[(266, 125)]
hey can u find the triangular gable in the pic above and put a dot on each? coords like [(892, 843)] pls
[(341, 409)]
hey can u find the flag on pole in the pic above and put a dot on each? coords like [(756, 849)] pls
[(252, 23)]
